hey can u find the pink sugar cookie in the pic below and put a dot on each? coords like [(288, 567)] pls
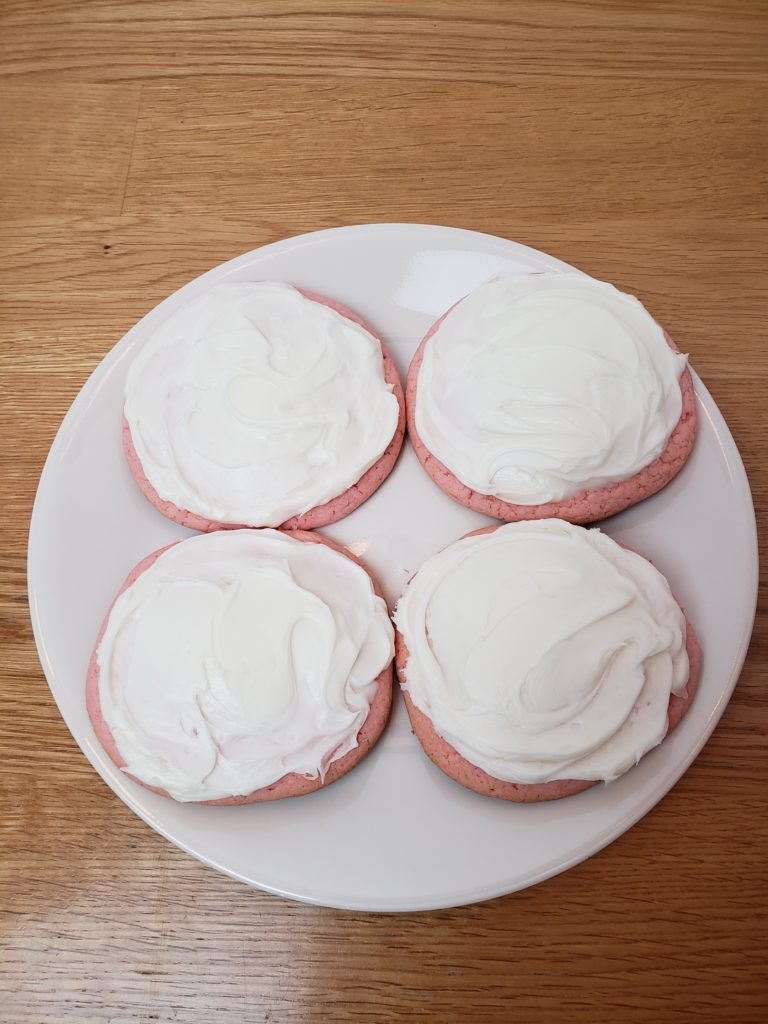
[(291, 784), (320, 515), (450, 761), (586, 507)]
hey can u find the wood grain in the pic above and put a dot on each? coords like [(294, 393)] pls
[(142, 143), (449, 40)]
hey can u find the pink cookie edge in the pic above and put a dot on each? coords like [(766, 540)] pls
[(456, 767), (586, 507), (289, 785), (321, 515)]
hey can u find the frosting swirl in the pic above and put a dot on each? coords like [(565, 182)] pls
[(543, 651), (238, 657), (536, 387), (255, 403)]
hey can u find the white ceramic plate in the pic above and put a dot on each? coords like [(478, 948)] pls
[(395, 834)]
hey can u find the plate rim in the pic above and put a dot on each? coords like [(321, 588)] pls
[(89, 391)]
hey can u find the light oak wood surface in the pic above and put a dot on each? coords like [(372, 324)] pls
[(144, 142)]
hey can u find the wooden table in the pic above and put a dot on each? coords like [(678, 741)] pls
[(142, 143)]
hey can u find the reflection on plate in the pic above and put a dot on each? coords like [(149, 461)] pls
[(396, 833)]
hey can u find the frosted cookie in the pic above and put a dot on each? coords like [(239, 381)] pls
[(538, 658), (550, 395), (262, 405), (242, 666)]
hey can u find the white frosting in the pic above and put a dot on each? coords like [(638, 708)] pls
[(254, 404), (543, 651), (538, 386), (239, 657)]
